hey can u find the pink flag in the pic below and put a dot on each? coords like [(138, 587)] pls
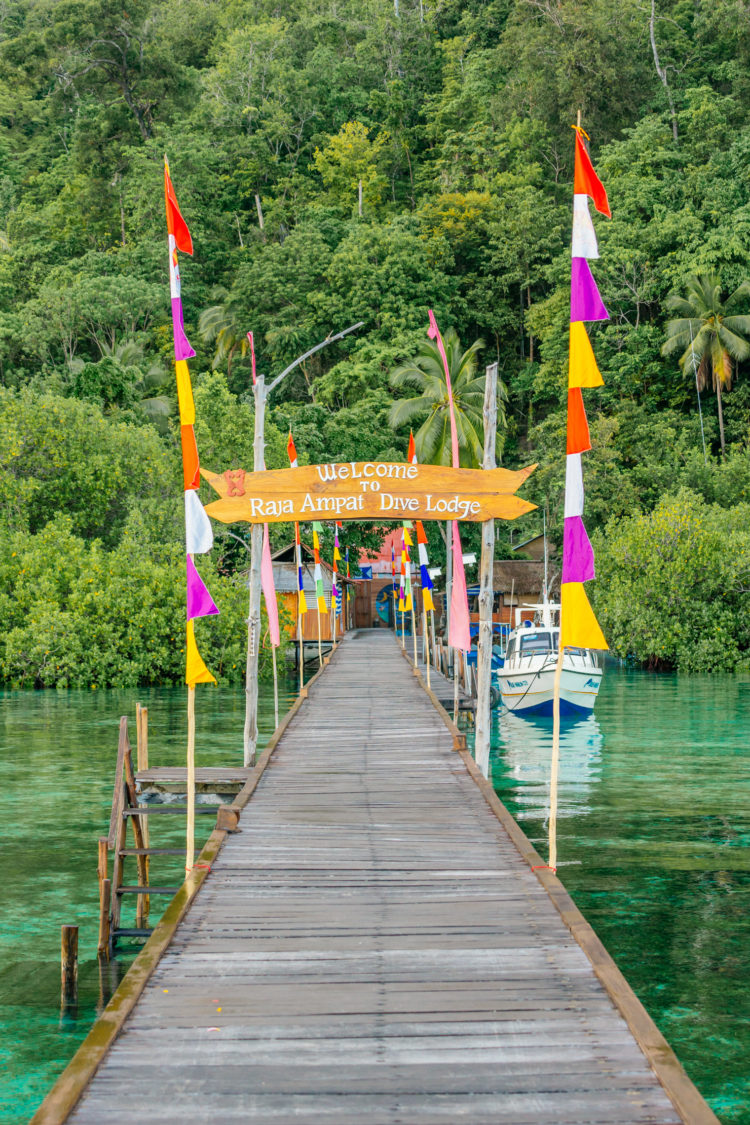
[(434, 333), (459, 633), (578, 554), (199, 601), (269, 590)]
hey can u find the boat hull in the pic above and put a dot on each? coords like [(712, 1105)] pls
[(531, 692)]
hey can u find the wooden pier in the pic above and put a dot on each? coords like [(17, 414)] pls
[(378, 943)]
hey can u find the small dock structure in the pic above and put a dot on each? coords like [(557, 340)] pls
[(377, 943)]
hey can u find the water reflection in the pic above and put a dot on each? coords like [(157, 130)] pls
[(653, 840), (527, 755)]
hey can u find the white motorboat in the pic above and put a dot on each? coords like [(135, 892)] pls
[(527, 677)]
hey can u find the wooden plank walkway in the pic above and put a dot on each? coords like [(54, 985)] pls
[(371, 948)]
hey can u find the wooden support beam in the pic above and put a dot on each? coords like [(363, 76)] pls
[(486, 566)]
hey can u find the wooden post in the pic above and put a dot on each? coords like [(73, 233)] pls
[(142, 753), (138, 734), (190, 833), (414, 626), (105, 901), (143, 905), (102, 870), (486, 566), (555, 765), (69, 964), (253, 618)]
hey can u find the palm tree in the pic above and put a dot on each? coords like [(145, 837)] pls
[(709, 334), (433, 439), (426, 374), (220, 324)]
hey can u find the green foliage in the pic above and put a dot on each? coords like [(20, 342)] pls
[(77, 615), (673, 585), (456, 119), (60, 456)]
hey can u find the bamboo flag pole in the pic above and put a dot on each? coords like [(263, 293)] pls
[(426, 645), (414, 627), (301, 645), (320, 641), (455, 684), (555, 765), (190, 834), (275, 688)]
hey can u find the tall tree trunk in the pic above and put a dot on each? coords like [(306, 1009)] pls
[(660, 70), (721, 415)]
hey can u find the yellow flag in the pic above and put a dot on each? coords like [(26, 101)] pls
[(579, 627), (184, 393), (196, 671), (427, 601), (302, 603), (582, 368)]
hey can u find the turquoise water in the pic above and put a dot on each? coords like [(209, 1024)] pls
[(653, 835), (57, 763)]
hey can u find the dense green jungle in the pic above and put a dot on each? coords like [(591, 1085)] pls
[(340, 161)]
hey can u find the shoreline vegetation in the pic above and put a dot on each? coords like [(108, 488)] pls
[(365, 161)]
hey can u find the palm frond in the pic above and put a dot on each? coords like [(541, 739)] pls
[(730, 342)]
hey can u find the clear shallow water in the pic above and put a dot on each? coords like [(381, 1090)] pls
[(653, 842), (57, 760), (653, 835)]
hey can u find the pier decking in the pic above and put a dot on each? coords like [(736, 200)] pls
[(374, 946)]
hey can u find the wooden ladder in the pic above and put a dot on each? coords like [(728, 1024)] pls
[(125, 809)]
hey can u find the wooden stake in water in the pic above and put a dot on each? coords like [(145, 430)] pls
[(555, 765), (190, 835)]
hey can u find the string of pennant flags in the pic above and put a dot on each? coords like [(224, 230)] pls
[(198, 533), (579, 627)]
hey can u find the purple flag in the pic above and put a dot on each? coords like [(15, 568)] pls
[(585, 302), (199, 601), (578, 554), (182, 349)]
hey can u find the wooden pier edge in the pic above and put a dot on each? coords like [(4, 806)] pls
[(69, 1088), (687, 1100)]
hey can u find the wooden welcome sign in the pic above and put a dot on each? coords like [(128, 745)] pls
[(378, 490)]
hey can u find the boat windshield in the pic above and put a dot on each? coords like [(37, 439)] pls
[(532, 643)]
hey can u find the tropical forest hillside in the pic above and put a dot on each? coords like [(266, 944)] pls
[(344, 161)]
